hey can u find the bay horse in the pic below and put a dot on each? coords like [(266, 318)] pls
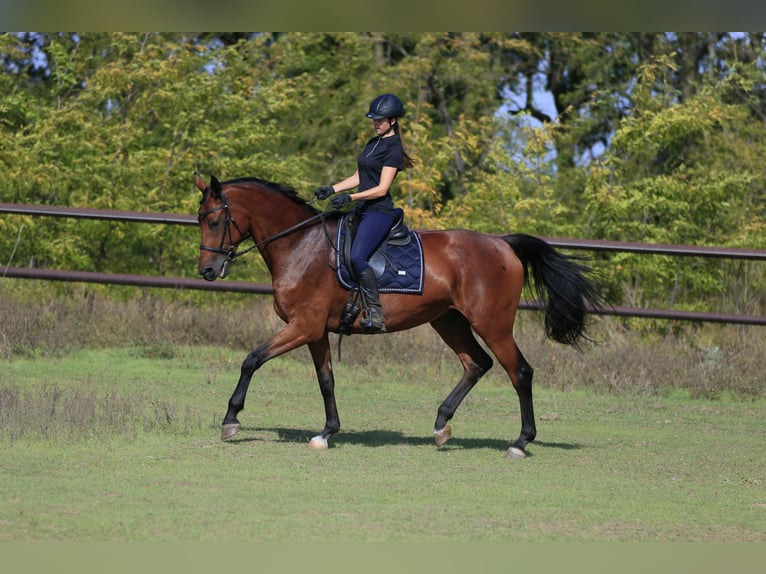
[(472, 284)]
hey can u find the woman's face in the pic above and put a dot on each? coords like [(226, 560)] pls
[(382, 127)]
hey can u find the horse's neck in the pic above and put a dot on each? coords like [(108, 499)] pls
[(307, 249), (271, 213), (275, 225)]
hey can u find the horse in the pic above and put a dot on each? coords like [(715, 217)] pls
[(472, 287)]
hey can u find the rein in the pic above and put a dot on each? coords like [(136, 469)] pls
[(231, 253), (289, 230)]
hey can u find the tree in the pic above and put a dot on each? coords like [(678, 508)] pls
[(680, 170), (655, 137)]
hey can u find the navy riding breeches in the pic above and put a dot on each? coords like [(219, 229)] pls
[(371, 231)]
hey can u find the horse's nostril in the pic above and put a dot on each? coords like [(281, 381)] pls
[(208, 274)]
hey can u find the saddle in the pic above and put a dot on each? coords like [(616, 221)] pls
[(398, 235), (398, 263)]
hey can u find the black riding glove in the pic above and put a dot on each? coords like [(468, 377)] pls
[(340, 200), (324, 192)]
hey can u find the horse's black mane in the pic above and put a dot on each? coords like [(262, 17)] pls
[(285, 190)]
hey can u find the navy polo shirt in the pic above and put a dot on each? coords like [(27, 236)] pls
[(379, 152)]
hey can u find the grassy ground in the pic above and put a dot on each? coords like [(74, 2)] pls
[(117, 445), (110, 412)]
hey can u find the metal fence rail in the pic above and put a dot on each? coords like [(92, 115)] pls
[(585, 244), (134, 280), (260, 288), (265, 289), (90, 213)]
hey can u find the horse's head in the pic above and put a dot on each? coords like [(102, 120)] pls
[(220, 233)]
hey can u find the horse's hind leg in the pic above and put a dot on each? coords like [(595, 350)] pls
[(523, 385), (455, 329), (520, 372)]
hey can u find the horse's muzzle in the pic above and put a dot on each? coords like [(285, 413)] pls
[(209, 274), (215, 271)]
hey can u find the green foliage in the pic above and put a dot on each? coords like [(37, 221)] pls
[(651, 137), (672, 175)]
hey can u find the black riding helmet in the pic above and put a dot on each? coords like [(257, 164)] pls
[(385, 106)]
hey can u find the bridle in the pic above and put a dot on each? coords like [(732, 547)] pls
[(229, 222)]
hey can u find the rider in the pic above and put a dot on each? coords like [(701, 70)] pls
[(380, 161)]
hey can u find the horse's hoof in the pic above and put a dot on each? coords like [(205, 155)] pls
[(443, 435), (318, 443), (230, 430), (516, 453)]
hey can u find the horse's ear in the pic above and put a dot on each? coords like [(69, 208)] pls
[(215, 187), (199, 182)]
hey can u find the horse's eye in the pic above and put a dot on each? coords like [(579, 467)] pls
[(214, 224)]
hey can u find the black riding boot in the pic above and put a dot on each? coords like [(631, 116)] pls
[(368, 284)]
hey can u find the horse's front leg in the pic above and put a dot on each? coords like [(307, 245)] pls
[(320, 353), (252, 363), (286, 340)]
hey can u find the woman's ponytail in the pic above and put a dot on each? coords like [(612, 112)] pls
[(407, 160)]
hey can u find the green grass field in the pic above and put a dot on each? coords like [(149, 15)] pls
[(122, 445)]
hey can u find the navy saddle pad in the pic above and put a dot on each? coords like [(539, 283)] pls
[(398, 268)]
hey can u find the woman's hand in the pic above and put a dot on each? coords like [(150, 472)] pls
[(340, 200), (324, 192)]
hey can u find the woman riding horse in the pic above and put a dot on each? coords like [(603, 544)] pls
[(377, 166)]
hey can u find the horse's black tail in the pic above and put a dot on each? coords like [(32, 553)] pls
[(561, 284)]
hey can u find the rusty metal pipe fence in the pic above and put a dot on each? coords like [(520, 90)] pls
[(265, 289)]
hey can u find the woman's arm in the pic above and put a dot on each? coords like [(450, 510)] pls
[(387, 176), (348, 183)]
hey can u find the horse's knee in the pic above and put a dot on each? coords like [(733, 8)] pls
[(254, 361)]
